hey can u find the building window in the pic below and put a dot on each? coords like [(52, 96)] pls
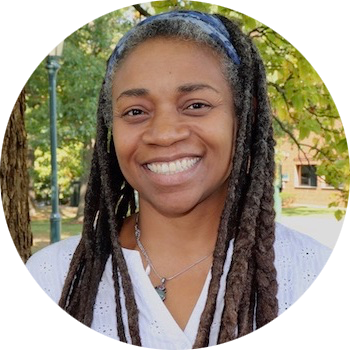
[(307, 175)]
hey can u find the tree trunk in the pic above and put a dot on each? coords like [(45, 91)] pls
[(31, 192), (14, 180)]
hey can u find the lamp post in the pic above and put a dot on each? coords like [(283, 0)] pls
[(52, 67)]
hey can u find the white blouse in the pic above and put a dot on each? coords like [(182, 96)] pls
[(298, 260)]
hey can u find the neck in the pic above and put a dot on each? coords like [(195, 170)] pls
[(192, 233)]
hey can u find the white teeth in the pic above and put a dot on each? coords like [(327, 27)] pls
[(174, 167)]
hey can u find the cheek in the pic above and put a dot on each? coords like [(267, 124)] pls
[(225, 138), (116, 138), (121, 145), (123, 151), (225, 148)]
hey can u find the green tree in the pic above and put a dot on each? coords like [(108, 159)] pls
[(303, 109), (78, 84)]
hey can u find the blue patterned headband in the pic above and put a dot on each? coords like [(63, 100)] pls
[(208, 23)]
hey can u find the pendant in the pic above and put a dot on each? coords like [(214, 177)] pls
[(161, 290)]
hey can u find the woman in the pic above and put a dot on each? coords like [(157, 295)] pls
[(184, 120)]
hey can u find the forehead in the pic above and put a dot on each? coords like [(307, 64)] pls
[(171, 59)]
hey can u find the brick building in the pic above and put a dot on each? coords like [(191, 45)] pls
[(300, 184)]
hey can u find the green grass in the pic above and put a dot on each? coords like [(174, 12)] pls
[(41, 228), (307, 211), (41, 232)]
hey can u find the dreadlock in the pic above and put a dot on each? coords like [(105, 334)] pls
[(248, 215)]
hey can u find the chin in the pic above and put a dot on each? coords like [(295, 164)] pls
[(175, 211), (173, 207)]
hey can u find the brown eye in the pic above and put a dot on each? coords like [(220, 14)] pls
[(198, 105), (133, 112), (197, 109)]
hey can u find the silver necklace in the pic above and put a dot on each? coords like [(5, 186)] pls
[(160, 289)]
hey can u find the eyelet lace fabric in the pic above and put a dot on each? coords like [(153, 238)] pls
[(298, 259)]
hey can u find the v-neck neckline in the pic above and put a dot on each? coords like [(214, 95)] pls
[(161, 311)]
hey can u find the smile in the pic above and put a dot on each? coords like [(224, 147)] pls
[(174, 167)]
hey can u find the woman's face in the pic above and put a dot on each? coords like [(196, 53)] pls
[(174, 125)]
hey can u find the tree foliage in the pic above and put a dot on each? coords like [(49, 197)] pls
[(78, 84), (303, 109)]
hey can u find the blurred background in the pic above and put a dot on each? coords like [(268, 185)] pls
[(312, 173)]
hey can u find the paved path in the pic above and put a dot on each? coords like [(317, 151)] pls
[(325, 229)]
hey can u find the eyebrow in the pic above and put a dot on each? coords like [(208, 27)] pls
[(133, 93), (186, 88), (194, 87)]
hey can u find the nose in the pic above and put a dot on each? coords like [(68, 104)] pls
[(165, 129)]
